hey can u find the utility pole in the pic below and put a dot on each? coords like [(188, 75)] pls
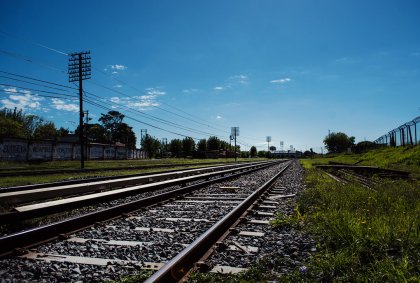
[(79, 70), (234, 131)]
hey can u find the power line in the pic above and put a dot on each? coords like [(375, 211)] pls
[(34, 43), (38, 80), (21, 92), (118, 80), (37, 90), (134, 119)]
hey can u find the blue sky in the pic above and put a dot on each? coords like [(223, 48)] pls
[(291, 70)]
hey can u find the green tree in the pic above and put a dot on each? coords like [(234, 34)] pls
[(124, 133), (11, 128), (151, 145), (262, 153), (63, 132), (111, 121), (202, 145), (213, 143), (45, 130), (338, 142), (253, 151), (188, 146), (175, 147)]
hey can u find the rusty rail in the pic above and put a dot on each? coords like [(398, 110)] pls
[(177, 268)]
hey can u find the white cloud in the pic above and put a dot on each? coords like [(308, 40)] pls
[(114, 73), (118, 86), (142, 102), (21, 101), (189, 90), (118, 67), (242, 79), (218, 117), (219, 88), (115, 99), (62, 105), (12, 89), (281, 81)]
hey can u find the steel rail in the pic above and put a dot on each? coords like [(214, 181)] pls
[(105, 178), (27, 172), (58, 206), (49, 232), (178, 267), (60, 190)]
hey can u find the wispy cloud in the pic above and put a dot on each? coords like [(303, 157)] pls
[(241, 79), (142, 102), (189, 90), (26, 100), (281, 81), (63, 105), (118, 86), (233, 81), (118, 67), (218, 117)]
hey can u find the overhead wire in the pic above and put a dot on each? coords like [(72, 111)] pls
[(116, 79)]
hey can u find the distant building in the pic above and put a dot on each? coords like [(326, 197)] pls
[(286, 154)]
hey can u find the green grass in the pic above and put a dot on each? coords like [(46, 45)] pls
[(397, 158), (27, 180), (364, 235)]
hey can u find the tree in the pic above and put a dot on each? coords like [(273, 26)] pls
[(202, 145), (188, 146), (213, 143), (45, 130), (262, 153), (175, 147), (63, 132), (151, 145), (338, 142), (111, 121), (253, 151), (11, 128), (124, 133)]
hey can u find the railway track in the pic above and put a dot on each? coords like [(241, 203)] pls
[(104, 194), (155, 237)]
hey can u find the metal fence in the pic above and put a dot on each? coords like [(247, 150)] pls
[(405, 134)]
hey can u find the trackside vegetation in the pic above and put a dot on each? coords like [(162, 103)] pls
[(364, 235)]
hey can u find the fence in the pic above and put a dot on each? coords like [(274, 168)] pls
[(403, 135), (12, 149)]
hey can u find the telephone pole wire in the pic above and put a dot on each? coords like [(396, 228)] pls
[(79, 70)]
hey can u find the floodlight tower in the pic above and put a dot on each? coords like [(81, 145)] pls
[(268, 140)]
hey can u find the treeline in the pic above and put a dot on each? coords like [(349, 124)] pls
[(110, 129), (15, 123), (186, 147), (340, 142)]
